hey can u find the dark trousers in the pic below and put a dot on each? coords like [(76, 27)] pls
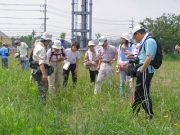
[(142, 96), (93, 75), (4, 63), (71, 68)]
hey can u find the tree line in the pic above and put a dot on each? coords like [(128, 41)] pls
[(165, 28)]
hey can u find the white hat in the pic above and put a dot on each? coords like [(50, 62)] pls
[(57, 44), (91, 43), (16, 54), (46, 36), (101, 40), (136, 28), (126, 36)]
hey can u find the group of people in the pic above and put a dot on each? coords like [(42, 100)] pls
[(141, 55), (99, 63)]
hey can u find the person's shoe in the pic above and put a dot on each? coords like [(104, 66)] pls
[(150, 117)]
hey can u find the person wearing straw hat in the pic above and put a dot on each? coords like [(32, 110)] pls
[(107, 56), (122, 61), (56, 56), (91, 59)]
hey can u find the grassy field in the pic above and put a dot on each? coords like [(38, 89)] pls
[(78, 111)]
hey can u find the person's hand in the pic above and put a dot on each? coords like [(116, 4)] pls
[(127, 52), (88, 62), (98, 67), (111, 62), (75, 71), (61, 59), (93, 62), (44, 77)]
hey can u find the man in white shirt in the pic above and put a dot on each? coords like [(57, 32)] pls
[(22, 48)]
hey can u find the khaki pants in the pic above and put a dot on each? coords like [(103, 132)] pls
[(105, 71), (55, 80)]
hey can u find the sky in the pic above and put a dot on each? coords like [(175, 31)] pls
[(111, 18)]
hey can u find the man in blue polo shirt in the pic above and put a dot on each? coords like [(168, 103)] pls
[(4, 54), (145, 72)]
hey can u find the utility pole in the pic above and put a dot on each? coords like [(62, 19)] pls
[(33, 33), (45, 16), (132, 23)]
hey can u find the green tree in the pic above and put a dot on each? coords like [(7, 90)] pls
[(166, 29), (0, 40), (98, 35), (63, 35)]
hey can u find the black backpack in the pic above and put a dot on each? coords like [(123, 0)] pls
[(157, 62)]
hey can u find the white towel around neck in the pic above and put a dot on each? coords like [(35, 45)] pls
[(90, 54)]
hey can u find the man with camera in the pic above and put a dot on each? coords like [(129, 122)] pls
[(40, 59), (145, 71)]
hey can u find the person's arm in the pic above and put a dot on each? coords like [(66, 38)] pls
[(77, 62), (27, 52), (99, 64), (112, 61), (146, 63), (44, 76), (115, 57)]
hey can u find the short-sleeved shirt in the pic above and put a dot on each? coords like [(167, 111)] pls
[(148, 48), (3, 52), (108, 53), (39, 54), (22, 48), (72, 56), (58, 54)]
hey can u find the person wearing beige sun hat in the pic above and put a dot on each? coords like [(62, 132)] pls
[(41, 69), (91, 60), (56, 56)]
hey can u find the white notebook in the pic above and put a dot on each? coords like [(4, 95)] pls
[(66, 65)]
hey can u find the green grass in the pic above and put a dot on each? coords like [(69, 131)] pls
[(78, 111)]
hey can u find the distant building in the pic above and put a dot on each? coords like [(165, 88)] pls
[(4, 39)]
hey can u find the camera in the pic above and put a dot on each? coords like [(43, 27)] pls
[(135, 60)]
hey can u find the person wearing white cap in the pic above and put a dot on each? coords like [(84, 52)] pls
[(56, 56), (145, 71), (122, 61), (22, 48), (23, 60), (91, 59), (107, 55), (40, 57)]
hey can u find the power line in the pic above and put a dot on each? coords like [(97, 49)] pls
[(58, 27), (17, 10), (58, 14), (19, 18), (20, 4), (20, 23), (109, 23)]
